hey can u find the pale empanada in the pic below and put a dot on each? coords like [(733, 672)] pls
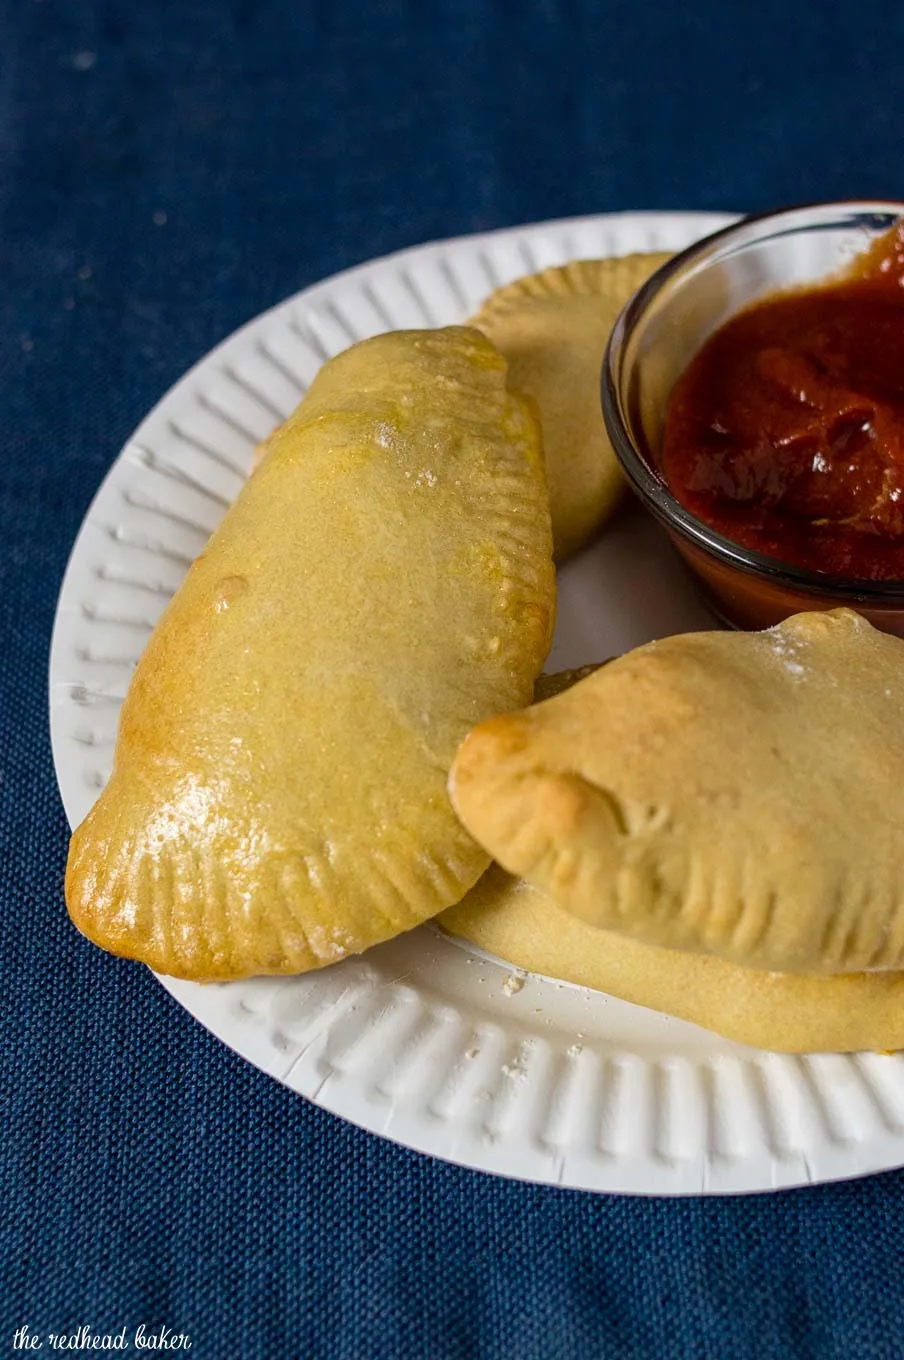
[(552, 328), (383, 582), (792, 1013), (730, 793)]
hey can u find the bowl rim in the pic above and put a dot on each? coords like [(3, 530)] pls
[(653, 489)]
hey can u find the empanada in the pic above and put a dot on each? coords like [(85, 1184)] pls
[(732, 793), (552, 327), (383, 582), (791, 1013)]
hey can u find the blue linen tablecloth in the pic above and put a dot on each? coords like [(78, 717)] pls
[(167, 170)]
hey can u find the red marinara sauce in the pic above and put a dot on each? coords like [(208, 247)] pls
[(786, 432)]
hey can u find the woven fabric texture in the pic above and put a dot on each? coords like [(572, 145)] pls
[(167, 170)]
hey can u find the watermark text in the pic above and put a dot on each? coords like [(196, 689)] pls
[(85, 1341)]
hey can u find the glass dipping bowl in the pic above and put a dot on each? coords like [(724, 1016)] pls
[(654, 340)]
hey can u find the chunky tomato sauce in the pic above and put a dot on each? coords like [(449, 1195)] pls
[(786, 432)]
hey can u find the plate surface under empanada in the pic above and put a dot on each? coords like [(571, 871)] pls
[(737, 794), (383, 582)]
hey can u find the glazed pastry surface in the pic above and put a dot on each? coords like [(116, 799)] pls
[(383, 583)]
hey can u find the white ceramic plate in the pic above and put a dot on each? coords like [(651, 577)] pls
[(423, 1040)]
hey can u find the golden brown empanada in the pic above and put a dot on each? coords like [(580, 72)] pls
[(788, 1012), (730, 793), (552, 327), (383, 583)]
